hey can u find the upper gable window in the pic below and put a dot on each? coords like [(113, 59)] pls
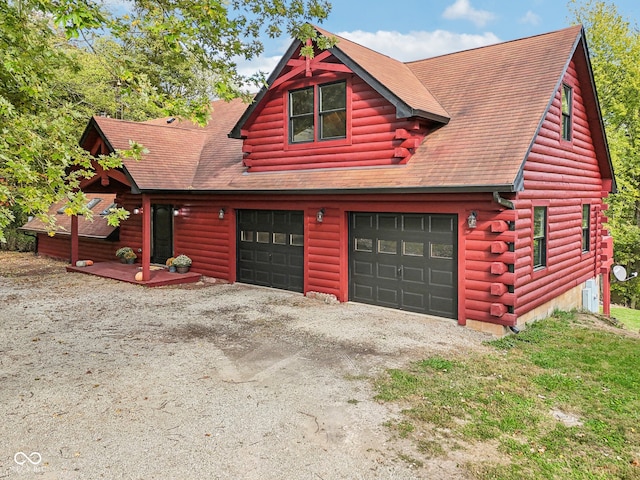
[(318, 113), (567, 99)]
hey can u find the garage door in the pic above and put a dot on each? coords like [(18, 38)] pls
[(271, 248), (404, 261)]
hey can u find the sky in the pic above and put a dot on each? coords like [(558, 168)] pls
[(416, 29)]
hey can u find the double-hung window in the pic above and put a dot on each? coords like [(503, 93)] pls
[(586, 227), (539, 237), (318, 113), (567, 99)]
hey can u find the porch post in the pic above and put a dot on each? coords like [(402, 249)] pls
[(74, 240), (606, 293), (146, 237)]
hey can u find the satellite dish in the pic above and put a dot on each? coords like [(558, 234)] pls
[(621, 273)]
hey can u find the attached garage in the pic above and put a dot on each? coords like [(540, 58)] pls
[(271, 248), (404, 261)]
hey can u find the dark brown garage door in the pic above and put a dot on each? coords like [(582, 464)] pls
[(271, 248), (404, 261)]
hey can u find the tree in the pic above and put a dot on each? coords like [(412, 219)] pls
[(164, 57), (614, 47)]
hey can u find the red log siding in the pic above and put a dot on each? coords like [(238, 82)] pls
[(489, 277), (374, 134), (562, 176), (59, 246), (324, 262)]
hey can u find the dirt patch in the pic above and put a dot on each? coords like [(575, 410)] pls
[(111, 380)]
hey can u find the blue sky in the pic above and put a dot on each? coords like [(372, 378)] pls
[(416, 29)]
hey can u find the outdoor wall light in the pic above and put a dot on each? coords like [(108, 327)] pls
[(472, 219), (221, 214), (176, 212), (137, 210), (320, 215)]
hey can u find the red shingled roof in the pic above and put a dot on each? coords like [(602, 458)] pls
[(97, 228), (495, 97)]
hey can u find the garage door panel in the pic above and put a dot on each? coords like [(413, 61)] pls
[(440, 277), (363, 268), (411, 274), (387, 297), (405, 261), (387, 271), (271, 248), (412, 301)]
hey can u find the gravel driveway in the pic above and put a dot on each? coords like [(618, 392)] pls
[(102, 379)]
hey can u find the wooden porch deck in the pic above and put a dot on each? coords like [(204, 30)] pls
[(126, 273)]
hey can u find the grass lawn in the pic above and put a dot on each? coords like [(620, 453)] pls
[(559, 400), (630, 318)]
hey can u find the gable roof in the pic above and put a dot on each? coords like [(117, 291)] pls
[(391, 78), (174, 149), (494, 99)]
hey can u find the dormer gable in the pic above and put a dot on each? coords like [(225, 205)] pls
[(332, 110)]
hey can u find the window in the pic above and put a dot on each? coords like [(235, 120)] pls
[(586, 227), (107, 210), (331, 101), (301, 115), (567, 99), (93, 202), (539, 237)]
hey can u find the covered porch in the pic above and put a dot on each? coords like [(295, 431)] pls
[(158, 275)]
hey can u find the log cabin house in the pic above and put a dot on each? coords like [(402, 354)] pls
[(469, 186)]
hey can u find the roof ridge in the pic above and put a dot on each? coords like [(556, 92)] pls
[(408, 63)]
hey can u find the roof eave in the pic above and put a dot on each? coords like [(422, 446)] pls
[(403, 110), (489, 188), (236, 132)]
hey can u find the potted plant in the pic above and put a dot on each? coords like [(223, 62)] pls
[(121, 253), (170, 265), (182, 263), (130, 257)]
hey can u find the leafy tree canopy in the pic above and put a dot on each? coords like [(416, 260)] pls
[(62, 61), (614, 48)]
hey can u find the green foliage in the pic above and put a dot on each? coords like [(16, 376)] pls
[(561, 402), (63, 61), (614, 48)]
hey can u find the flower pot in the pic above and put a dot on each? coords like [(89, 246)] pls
[(172, 269), (182, 269), (130, 261)]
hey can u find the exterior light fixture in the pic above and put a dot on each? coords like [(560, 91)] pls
[(176, 212), (137, 210), (472, 219), (320, 215), (221, 214)]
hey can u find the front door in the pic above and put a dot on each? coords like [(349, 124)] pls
[(161, 233)]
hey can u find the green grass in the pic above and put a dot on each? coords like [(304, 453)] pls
[(511, 397), (630, 318)]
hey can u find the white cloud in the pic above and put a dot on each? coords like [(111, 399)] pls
[(530, 18), (262, 63), (418, 45), (462, 9), (401, 46)]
